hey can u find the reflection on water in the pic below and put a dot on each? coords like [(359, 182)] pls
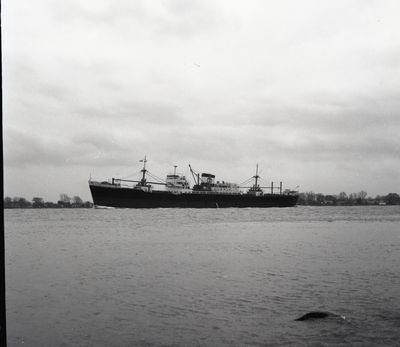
[(222, 277)]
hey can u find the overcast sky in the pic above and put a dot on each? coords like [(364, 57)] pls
[(309, 90)]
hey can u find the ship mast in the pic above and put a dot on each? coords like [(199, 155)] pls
[(256, 179), (143, 180)]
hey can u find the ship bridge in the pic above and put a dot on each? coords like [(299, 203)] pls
[(177, 183)]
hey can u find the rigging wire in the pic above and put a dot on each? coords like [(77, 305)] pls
[(261, 179), (155, 177), (130, 175), (246, 182)]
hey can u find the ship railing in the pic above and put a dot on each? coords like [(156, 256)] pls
[(216, 192)]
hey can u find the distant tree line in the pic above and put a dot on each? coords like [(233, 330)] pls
[(342, 199), (307, 198), (37, 202)]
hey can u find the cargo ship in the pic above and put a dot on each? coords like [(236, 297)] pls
[(177, 193)]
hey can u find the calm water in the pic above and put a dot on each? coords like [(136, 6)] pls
[(221, 277)]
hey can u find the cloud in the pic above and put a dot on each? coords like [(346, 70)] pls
[(222, 85), (22, 149)]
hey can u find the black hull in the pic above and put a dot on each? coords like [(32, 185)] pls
[(130, 198)]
